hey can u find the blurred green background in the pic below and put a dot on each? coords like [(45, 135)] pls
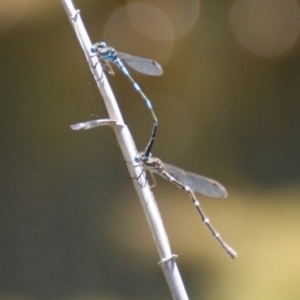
[(71, 225)]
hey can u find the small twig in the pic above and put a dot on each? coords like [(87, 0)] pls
[(129, 151)]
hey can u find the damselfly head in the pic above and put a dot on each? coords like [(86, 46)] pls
[(98, 46), (94, 48), (143, 158), (139, 157)]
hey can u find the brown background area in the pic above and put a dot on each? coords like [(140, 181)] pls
[(71, 226)]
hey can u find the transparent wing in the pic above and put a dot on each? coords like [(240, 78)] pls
[(200, 184), (142, 65)]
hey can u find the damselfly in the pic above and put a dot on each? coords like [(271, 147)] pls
[(190, 183), (142, 65)]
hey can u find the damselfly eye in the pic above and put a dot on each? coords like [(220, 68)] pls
[(101, 45)]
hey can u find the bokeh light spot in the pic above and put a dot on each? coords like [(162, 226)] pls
[(266, 27), (120, 33), (150, 21), (182, 14)]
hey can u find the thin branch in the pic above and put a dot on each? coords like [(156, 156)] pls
[(129, 151)]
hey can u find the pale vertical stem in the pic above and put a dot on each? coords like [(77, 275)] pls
[(129, 151)]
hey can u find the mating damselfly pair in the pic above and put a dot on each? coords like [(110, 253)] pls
[(189, 182)]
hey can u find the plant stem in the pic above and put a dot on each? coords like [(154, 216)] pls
[(129, 151)]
